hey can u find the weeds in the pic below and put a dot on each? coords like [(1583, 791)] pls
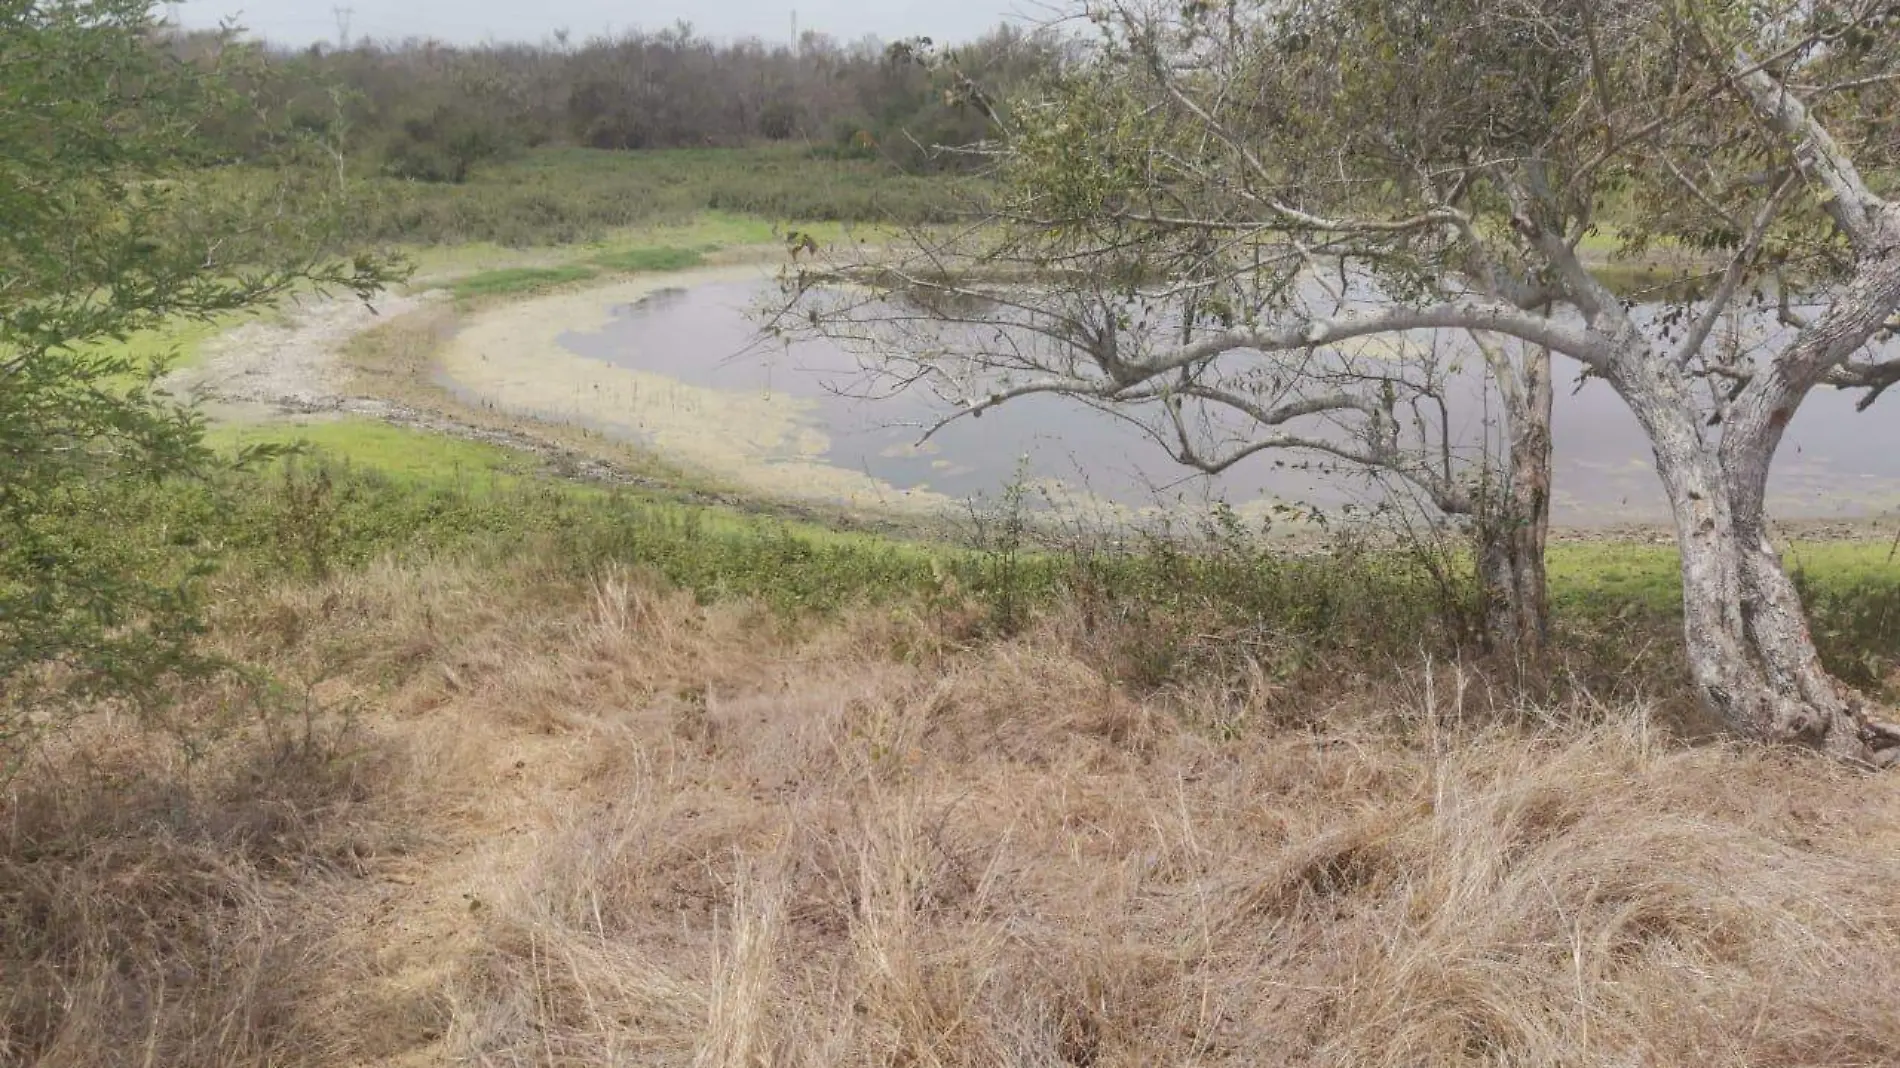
[(1857, 626), (567, 196), (1001, 537), (518, 280), (1163, 606), (651, 259)]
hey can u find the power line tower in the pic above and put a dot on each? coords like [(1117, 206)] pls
[(343, 27)]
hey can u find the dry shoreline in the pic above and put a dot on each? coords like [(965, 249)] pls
[(515, 386), (509, 358)]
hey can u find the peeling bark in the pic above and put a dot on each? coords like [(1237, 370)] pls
[(1751, 652), (1511, 544)]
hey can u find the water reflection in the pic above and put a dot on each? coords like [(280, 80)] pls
[(1836, 462)]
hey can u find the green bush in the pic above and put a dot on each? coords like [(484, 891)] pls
[(566, 196), (107, 236), (445, 145), (1856, 624)]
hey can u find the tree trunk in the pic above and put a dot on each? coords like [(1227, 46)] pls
[(1750, 648), (1751, 654), (1512, 540)]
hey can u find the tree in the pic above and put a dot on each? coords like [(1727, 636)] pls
[(1101, 185), (1292, 210), (111, 230)]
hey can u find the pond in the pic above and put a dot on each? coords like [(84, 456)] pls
[(681, 368)]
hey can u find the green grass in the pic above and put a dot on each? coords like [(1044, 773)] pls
[(1588, 579), (428, 461), (702, 232), (512, 280), (357, 489), (1650, 282), (174, 345), (1160, 613), (663, 258), (407, 456), (1851, 590), (1599, 574), (634, 260), (1841, 564), (484, 269), (571, 196)]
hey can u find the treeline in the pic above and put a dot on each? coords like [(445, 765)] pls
[(433, 112)]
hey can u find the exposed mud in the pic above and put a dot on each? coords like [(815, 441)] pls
[(293, 367), (286, 364), (501, 376), (511, 359)]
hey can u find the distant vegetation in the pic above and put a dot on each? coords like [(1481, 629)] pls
[(428, 112), (518, 280), (651, 259), (563, 195)]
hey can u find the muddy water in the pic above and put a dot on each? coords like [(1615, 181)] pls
[(680, 368)]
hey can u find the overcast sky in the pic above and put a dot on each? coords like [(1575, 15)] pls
[(302, 21)]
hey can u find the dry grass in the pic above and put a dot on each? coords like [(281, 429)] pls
[(155, 913), (613, 827)]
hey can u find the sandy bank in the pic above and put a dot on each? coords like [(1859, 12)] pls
[(510, 358)]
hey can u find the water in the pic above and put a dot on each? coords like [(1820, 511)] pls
[(1836, 463)]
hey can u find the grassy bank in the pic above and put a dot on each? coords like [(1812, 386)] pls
[(539, 775), (511, 769), (366, 491), (521, 771), (630, 253)]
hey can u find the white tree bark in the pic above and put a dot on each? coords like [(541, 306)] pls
[(1751, 654)]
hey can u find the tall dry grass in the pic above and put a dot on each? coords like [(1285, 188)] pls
[(810, 854), (158, 914), (629, 829)]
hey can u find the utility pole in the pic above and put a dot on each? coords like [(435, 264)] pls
[(794, 33), (343, 27)]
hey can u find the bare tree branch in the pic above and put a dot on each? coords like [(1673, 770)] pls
[(1737, 270), (1874, 377), (1820, 158), (1462, 315)]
